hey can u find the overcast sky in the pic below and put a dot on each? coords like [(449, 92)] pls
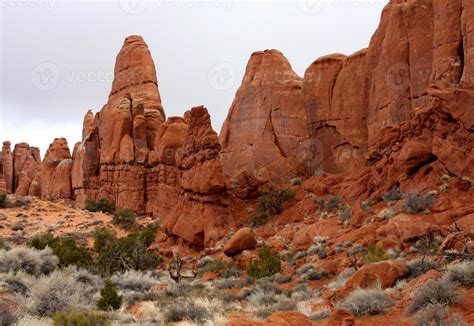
[(57, 57)]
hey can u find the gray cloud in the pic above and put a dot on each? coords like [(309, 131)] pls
[(57, 57)]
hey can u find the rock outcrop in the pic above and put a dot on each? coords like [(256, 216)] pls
[(353, 101), (204, 212), (7, 167), (56, 171), (20, 169), (169, 169), (243, 239), (112, 159), (265, 130), (336, 109)]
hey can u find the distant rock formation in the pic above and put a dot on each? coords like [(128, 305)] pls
[(20, 169), (56, 171)]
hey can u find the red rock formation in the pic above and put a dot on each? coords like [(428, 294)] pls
[(243, 239), (86, 162), (264, 132), (56, 171), (7, 166), (342, 317), (384, 273), (204, 212), (26, 167), (333, 91), (112, 159), (128, 123), (281, 318), (3, 185), (354, 101), (168, 169), (163, 177)]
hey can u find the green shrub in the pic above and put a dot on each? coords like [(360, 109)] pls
[(78, 318), (102, 205), (267, 264), (374, 254), (109, 298), (428, 244), (3, 201), (224, 269), (217, 266), (120, 254), (269, 204), (365, 204), (124, 216), (65, 248)]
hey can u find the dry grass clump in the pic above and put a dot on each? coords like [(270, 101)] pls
[(462, 273), (56, 292), (364, 302), (134, 280), (418, 267), (29, 260), (441, 291), (438, 315)]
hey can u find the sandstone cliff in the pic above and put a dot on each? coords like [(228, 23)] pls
[(352, 101), (266, 124)]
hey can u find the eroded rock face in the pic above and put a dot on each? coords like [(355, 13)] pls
[(333, 91), (266, 126), (204, 212), (26, 165), (7, 166), (56, 171), (112, 160), (354, 103), (135, 75), (163, 177), (170, 169)]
